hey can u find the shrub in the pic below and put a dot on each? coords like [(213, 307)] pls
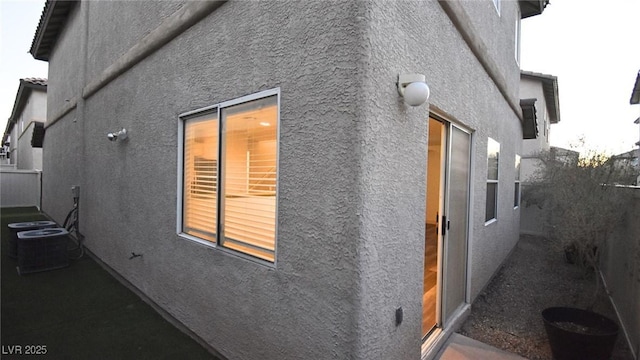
[(580, 202)]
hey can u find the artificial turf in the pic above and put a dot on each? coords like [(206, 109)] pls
[(80, 312)]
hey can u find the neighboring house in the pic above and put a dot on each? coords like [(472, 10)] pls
[(627, 159), (5, 155), (286, 201), (541, 109), (539, 94), (22, 138)]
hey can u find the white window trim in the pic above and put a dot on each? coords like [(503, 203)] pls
[(516, 207), (493, 181), (487, 223), (495, 205), (518, 41), (517, 181), (180, 183)]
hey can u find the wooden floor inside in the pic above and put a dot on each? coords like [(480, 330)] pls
[(430, 279)]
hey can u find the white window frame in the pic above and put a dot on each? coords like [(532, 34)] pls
[(493, 181), (216, 108), (518, 40), (518, 187)]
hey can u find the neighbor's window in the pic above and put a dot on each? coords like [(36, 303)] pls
[(230, 173), (493, 154), (516, 195)]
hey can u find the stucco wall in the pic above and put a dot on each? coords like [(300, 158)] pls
[(498, 32), (532, 89), (35, 109), (393, 166), (352, 170), (303, 309), (124, 31), (464, 92), (62, 167), (63, 145), (29, 158), (66, 65)]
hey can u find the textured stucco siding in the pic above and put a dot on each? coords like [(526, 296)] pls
[(35, 109), (29, 158), (474, 100), (498, 32), (532, 89), (352, 157), (66, 65), (62, 167), (418, 37), (134, 20), (63, 145), (303, 308)]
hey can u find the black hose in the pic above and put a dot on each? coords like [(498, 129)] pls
[(70, 224), (66, 223)]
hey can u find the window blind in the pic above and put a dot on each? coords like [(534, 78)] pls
[(249, 168), (200, 177)]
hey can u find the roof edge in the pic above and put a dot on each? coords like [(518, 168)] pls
[(550, 90), (47, 31), (530, 8), (635, 93), (24, 90)]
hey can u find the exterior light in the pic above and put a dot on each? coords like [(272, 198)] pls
[(413, 88), (114, 136)]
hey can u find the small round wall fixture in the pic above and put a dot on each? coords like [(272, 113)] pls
[(118, 135), (413, 88)]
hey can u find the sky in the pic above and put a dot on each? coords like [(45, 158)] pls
[(590, 45), (18, 24)]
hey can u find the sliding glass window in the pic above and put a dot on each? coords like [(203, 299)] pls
[(493, 156), (236, 210)]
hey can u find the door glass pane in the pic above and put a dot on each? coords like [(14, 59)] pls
[(457, 215), (249, 168), (435, 171)]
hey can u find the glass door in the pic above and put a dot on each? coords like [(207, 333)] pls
[(455, 224), (446, 223), (436, 160)]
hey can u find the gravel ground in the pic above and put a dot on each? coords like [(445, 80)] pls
[(507, 313)]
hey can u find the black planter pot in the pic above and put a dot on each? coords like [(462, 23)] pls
[(567, 336)]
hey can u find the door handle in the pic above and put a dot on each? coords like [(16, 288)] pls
[(444, 225)]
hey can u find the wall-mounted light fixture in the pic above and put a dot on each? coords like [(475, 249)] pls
[(413, 88), (121, 135)]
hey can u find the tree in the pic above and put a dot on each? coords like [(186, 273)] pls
[(582, 203)]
